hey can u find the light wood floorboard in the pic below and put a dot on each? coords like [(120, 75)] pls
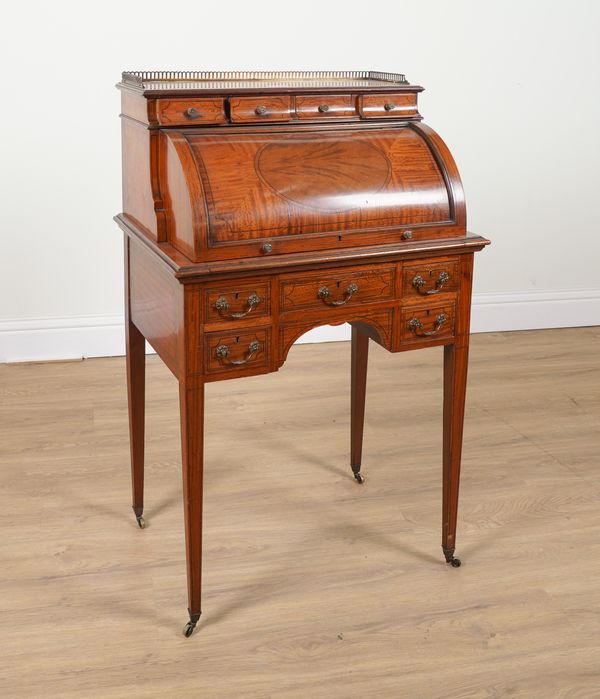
[(314, 586)]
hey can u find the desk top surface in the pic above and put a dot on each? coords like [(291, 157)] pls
[(177, 82)]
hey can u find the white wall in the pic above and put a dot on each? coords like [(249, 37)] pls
[(511, 86)]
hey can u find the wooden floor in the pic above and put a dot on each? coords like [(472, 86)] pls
[(315, 587)]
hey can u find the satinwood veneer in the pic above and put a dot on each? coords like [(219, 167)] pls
[(257, 206)]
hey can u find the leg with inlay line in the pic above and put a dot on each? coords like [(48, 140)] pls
[(455, 384), (135, 359), (358, 388), (191, 401)]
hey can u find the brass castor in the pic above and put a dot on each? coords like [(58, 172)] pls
[(188, 629), (449, 555), (359, 477), (141, 522)]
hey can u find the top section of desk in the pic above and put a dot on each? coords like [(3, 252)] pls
[(238, 166)]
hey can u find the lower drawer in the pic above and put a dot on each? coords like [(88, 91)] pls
[(427, 323), (236, 349)]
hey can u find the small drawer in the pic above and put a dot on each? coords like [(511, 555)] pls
[(324, 106), (397, 106), (236, 350), (427, 323), (222, 304), (260, 108), (336, 288), (430, 278), (190, 112)]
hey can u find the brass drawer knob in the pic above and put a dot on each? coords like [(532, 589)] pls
[(417, 327), (222, 353), (389, 106), (418, 282), (222, 305), (192, 113), (325, 295), (260, 110), (323, 108)]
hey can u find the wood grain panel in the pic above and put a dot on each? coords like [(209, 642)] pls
[(378, 320), (134, 106), (156, 299), (272, 185), (139, 190)]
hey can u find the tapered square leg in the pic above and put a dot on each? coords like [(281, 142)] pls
[(358, 388), (135, 354), (191, 399), (455, 384)]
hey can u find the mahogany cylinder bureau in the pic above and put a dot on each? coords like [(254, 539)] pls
[(257, 206)]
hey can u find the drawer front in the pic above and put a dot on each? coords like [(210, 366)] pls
[(427, 323), (324, 106), (396, 106), (430, 278), (234, 303), (337, 288), (189, 112), (235, 350), (264, 108)]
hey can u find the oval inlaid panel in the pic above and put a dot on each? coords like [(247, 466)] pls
[(325, 175)]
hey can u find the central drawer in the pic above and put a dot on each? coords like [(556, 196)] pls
[(324, 106), (253, 109), (350, 286)]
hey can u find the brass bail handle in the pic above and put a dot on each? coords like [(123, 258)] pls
[(325, 295), (222, 306), (418, 282), (222, 353), (417, 326)]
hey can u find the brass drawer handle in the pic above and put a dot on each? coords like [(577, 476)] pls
[(223, 354), (323, 108), (222, 305), (260, 110), (192, 113), (324, 294), (418, 282), (417, 327), (389, 106)]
